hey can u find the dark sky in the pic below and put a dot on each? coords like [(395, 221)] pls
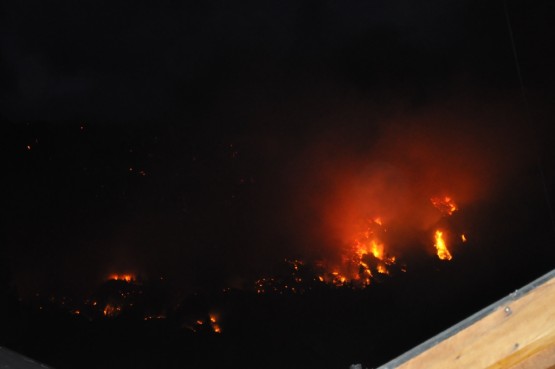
[(193, 139), (181, 61)]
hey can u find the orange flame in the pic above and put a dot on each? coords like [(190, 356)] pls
[(111, 310), (463, 238), (214, 323), (444, 204), (121, 277), (442, 251), (364, 259)]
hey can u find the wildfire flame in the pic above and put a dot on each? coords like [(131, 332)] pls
[(444, 204), (121, 277), (364, 259), (111, 310), (214, 323), (367, 257), (442, 251)]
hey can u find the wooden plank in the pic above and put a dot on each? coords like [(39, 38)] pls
[(516, 332)]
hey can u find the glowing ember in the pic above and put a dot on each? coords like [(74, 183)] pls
[(121, 277), (209, 324), (214, 323), (442, 251), (338, 279), (463, 238), (444, 204), (111, 310), (152, 317)]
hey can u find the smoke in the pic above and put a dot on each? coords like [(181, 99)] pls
[(389, 166)]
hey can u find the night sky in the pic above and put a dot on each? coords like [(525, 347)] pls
[(204, 141)]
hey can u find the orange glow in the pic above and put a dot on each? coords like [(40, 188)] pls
[(369, 244), (122, 277), (109, 310), (377, 249), (363, 259), (442, 251), (415, 175), (214, 323), (444, 204), (382, 269), (334, 278), (463, 238)]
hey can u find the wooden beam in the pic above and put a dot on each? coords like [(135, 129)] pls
[(516, 332)]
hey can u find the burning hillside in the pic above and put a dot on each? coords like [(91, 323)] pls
[(367, 258), (363, 206)]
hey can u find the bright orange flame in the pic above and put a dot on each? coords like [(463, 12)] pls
[(463, 238), (442, 251), (363, 259), (122, 277), (444, 204), (377, 249)]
